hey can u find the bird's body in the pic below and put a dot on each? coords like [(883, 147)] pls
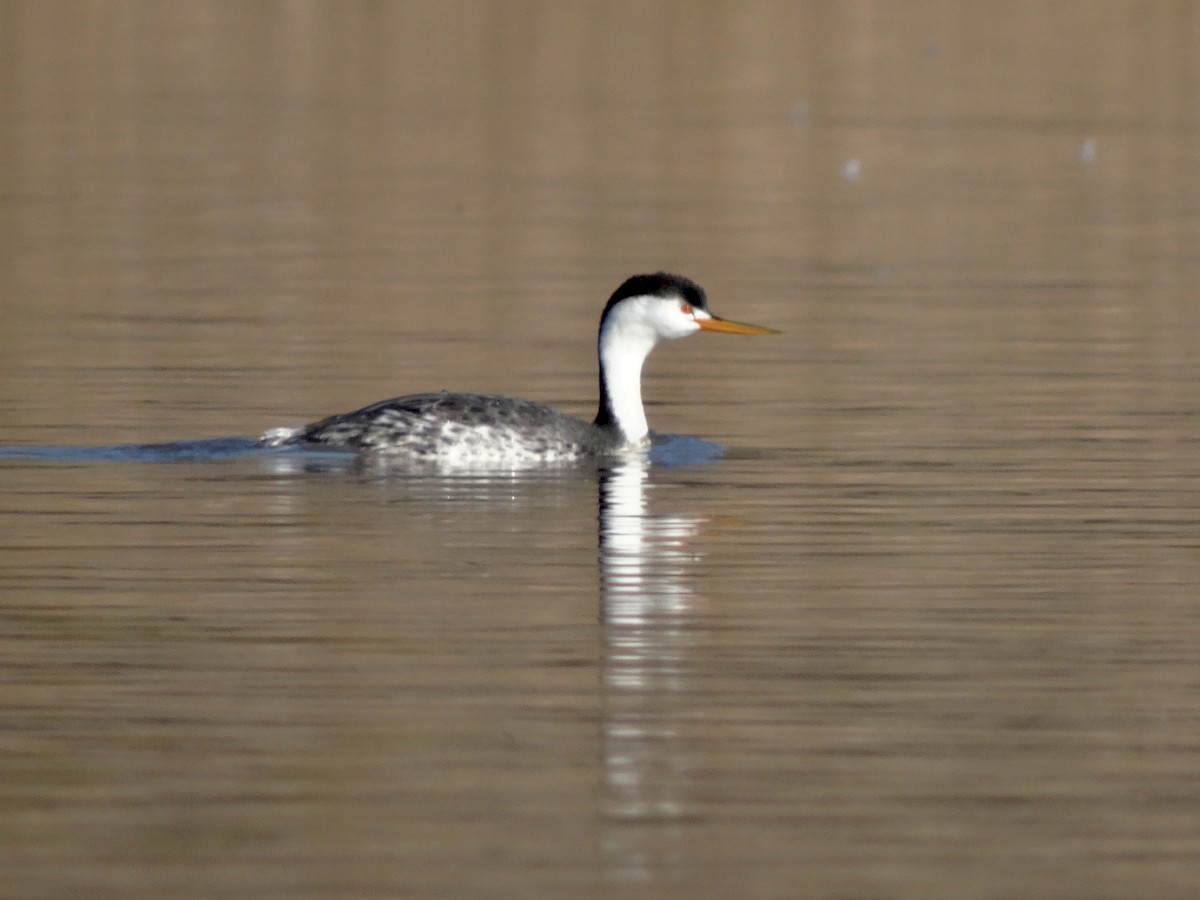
[(458, 428), (462, 429)]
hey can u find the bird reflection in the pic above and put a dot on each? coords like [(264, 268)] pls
[(647, 609)]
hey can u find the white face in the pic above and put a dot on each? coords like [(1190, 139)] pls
[(674, 317), (633, 328)]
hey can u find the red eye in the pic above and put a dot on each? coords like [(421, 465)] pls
[(685, 309)]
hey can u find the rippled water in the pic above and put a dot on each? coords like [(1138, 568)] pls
[(927, 628)]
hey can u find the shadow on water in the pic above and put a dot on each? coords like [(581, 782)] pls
[(174, 451), (668, 450)]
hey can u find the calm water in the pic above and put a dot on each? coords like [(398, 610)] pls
[(930, 628)]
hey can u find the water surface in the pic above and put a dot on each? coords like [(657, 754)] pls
[(927, 628)]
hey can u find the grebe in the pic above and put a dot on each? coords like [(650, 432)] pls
[(472, 428)]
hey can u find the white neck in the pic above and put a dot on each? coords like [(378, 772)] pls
[(625, 342)]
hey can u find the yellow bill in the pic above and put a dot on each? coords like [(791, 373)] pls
[(728, 327)]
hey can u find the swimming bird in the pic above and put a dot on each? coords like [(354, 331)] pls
[(475, 428)]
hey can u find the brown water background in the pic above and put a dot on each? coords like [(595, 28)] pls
[(930, 629)]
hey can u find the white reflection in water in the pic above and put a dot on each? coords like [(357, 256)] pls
[(647, 605)]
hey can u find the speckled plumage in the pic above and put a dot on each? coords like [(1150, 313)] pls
[(453, 427)]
